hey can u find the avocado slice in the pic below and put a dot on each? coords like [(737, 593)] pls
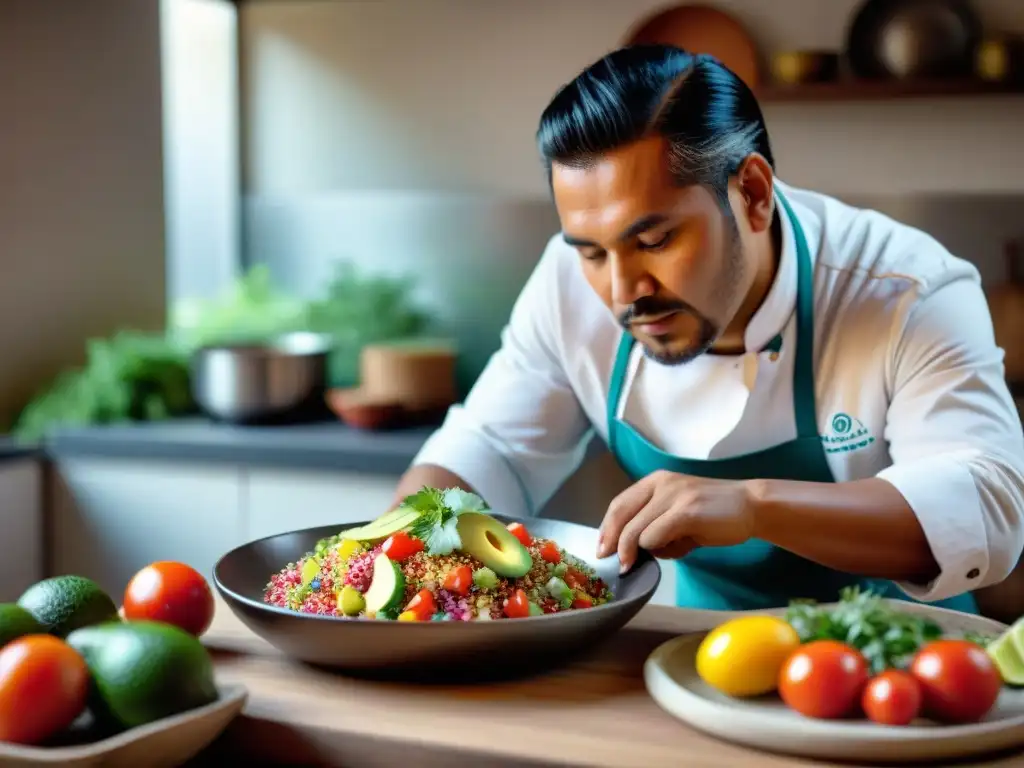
[(490, 542), (392, 522), (387, 586)]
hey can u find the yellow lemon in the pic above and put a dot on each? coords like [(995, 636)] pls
[(743, 657)]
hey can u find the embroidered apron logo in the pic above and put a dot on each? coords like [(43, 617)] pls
[(846, 434)]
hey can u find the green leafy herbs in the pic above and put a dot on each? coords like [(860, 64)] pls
[(128, 377), (439, 510), (885, 636)]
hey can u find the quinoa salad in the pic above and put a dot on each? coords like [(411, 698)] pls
[(438, 557)]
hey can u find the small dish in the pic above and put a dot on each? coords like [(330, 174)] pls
[(168, 742), (361, 410), (766, 723)]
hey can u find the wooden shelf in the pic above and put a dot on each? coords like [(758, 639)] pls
[(883, 90)]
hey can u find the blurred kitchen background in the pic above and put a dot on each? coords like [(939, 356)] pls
[(177, 172)]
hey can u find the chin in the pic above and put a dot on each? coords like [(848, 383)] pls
[(668, 354)]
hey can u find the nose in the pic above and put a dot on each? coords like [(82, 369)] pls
[(630, 281)]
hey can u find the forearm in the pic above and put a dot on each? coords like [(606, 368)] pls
[(427, 475), (863, 527)]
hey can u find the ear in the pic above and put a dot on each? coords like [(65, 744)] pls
[(754, 183)]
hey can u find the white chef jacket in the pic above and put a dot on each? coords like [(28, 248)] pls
[(908, 378)]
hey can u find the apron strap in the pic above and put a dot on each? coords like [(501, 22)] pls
[(804, 406), (619, 374)]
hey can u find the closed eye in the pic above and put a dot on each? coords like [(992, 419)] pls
[(660, 243)]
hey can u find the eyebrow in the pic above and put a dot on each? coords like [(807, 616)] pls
[(641, 225)]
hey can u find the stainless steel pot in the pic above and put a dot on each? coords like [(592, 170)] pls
[(283, 380)]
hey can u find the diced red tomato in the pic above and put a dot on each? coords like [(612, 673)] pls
[(519, 531), (401, 546), (459, 580), (517, 606), (575, 579), (549, 552), (582, 601), (422, 604)]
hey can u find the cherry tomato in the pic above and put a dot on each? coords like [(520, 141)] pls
[(459, 580), (43, 687), (575, 579), (959, 682), (823, 679), (519, 531), (518, 605), (892, 698), (422, 604), (173, 593), (582, 601), (549, 552), (401, 546)]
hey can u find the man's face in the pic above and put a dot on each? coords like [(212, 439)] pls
[(664, 258)]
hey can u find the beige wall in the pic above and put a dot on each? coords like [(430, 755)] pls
[(445, 94), (81, 206)]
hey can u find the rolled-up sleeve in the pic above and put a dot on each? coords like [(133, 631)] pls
[(521, 431), (956, 441)]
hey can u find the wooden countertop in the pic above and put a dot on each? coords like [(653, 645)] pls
[(593, 713)]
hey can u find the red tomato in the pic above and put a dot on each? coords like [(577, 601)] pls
[(173, 593), (892, 698), (422, 604), (575, 579), (549, 552), (582, 601), (823, 679), (43, 686), (458, 580), (519, 531), (401, 546), (517, 606), (959, 682)]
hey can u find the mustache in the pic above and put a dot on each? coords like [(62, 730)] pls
[(650, 306)]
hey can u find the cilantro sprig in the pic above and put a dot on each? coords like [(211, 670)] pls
[(885, 636), (439, 511)]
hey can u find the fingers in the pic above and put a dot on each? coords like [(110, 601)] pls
[(629, 540), (623, 508), (675, 550)]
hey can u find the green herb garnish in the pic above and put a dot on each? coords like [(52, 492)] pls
[(439, 511), (885, 636)]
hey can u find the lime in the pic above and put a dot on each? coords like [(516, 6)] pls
[(1007, 652)]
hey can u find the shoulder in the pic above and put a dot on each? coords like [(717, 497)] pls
[(870, 251), (874, 273), (559, 308)]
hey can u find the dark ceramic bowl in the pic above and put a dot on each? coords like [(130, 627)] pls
[(430, 650)]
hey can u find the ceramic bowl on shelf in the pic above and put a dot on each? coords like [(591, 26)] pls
[(167, 742), (429, 651)]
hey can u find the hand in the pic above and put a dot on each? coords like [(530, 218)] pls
[(670, 514)]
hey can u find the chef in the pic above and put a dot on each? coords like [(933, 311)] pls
[(806, 396)]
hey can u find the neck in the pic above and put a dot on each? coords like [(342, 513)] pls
[(767, 251)]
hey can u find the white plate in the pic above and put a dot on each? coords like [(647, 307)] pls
[(766, 723), (168, 742)]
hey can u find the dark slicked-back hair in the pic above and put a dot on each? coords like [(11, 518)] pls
[(709, 116)]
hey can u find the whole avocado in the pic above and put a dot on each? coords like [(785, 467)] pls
[(63, 604), (144, 671)]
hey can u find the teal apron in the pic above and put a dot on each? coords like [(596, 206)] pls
[(754, 575)]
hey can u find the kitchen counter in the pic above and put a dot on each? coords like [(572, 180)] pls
[(319, 446), (593, 713)]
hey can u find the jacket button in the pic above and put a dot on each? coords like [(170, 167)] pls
[(973, 573)]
